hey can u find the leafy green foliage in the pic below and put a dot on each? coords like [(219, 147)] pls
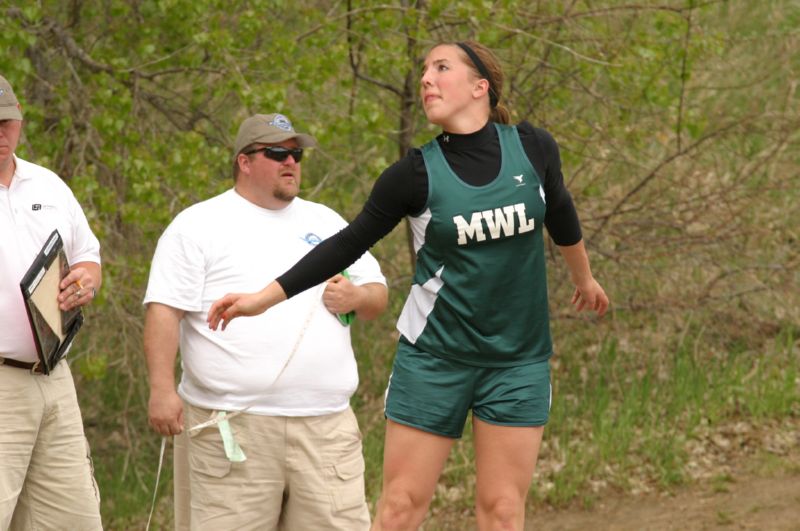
[(678, 126)]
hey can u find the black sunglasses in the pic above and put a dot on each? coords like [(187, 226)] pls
[(279, 153)]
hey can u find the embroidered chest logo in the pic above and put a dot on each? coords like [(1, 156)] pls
[(519, 179), (500, 223)]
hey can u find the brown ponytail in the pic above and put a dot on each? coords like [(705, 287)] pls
[(500, 114)]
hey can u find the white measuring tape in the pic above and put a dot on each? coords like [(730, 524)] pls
[(221, 418), (158, 476)]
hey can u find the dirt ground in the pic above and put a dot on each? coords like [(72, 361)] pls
[(750, 480), (746, 503)]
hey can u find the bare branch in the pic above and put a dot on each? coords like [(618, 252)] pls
[(525, 33), (665, 162), (73, 49), (683, 78), (629, 8), (349, 13), (354, 57)]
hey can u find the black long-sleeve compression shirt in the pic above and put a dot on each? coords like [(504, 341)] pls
[(402, 190)]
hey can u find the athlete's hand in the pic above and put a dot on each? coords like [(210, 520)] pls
[(235, 305), (165, 412), (590, 296), (340, 295)]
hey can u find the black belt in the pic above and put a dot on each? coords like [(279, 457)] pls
[(35, 367)]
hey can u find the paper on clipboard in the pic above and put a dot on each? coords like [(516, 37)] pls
[(53, 329)]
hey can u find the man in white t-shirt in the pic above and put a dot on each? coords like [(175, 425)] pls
[(292, 459), (46, 478)]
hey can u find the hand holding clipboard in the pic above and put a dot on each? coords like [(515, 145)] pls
[(53, 329)]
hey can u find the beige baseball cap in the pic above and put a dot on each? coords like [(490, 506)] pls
[(269, 129), (9, 106)]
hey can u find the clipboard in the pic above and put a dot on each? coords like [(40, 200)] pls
[(53, 329)]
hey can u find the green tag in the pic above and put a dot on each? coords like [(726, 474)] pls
[(347, 318), (233, 451)]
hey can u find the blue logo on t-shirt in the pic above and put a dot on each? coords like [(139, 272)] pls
[(311, 238)]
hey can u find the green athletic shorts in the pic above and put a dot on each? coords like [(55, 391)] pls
[(435, 394)]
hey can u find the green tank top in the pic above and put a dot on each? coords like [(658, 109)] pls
[(479, 294)]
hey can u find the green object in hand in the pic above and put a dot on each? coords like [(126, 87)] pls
[(346, 318)]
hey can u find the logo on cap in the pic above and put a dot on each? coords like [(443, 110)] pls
[(2, 92), (281, 122)]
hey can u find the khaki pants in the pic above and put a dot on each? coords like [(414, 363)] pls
[(300, 473), (46, 476)]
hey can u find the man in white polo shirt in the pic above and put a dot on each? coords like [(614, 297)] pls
[(46, 478), (293, 459)]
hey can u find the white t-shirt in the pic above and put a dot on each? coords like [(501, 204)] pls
[(228, 244), (35, 203)]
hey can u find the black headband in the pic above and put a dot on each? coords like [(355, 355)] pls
[(482, 70)]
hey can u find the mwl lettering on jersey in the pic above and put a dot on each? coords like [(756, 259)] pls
[(499, 223)]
